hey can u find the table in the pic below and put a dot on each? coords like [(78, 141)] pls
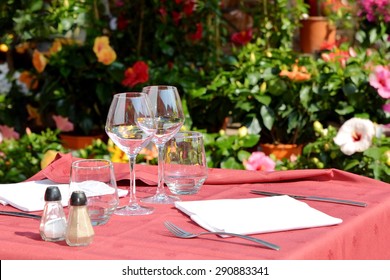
[(363, 234)]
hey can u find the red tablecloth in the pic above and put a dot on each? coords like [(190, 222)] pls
[(363, 234)]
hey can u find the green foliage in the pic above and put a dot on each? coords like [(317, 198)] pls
[(343, 91), (324, 153), (77, 86), (228, 151), (39, 19), (252, 92), (20, 159)]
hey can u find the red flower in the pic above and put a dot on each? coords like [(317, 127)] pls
[(122, 22), (136, 74), (243, 37), (189, 7), (198, 33), (176, 16)]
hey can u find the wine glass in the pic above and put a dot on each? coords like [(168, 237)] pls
[(169, 118), (130, 125)]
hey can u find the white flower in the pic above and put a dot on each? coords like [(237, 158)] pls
[(355, 135)]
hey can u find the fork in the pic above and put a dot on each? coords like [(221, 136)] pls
[(179, 232)]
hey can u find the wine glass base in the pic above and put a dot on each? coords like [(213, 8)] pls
[(160, 199), (133, 210)]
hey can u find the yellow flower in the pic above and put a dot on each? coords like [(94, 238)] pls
[(243, 131), (48, 157), (106, 56), (117, 155), (104, 52), (100, 43), (388, 158)]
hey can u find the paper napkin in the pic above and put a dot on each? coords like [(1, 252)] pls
[(29, 196), (255, 215)]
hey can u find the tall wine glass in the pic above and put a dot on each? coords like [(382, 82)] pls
[(169, 117), (130, 125)]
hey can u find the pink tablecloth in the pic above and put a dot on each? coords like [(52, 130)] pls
[(363, 234)]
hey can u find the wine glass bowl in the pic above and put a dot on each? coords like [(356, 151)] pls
[(169, 118), (130, 125)]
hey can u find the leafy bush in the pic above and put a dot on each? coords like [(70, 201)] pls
[(20, 159)]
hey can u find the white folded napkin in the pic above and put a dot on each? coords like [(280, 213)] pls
[(29, 196), (255, 215)]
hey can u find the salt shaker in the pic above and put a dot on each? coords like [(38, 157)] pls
[(79, 231), (53, 221)]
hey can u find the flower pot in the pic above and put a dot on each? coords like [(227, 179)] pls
[(314, 32), (76, 142), (281, 151)]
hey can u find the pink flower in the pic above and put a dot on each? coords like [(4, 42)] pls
[(63, 124), (386, 108), (380, 80), (8, 132), (260, 162)]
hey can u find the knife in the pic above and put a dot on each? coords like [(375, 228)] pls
[(314, 198), (20, 214)]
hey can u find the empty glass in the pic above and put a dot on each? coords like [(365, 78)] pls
[(169, 118), (130, 125), (97, 179), (185, 163)]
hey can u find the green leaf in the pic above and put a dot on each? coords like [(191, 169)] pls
[(349, 88), (351, 164), (243, 155), (36, 5), (373, 35), (254, 126), (250, 140), (253, 78), (231, 163), (360, 36), (267, 116), (304, 96), (375, 152), (263, 99), (196, 93), (346, 110)]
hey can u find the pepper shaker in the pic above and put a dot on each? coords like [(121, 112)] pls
[(79, 231), (53, 222)]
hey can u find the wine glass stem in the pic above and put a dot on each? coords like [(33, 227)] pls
[(132, 198), (161, 151)]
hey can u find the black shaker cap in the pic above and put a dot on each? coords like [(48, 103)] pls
[(78, 198), (52, 193)]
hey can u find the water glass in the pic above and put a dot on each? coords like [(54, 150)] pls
[(97, 179), (185, 168)]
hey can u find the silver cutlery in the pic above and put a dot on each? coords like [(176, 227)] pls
[(20, 214), (181, 233), (314, 198)]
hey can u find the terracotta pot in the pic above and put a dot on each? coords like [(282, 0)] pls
[(314, 32), (75, 142), (281, 151)]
